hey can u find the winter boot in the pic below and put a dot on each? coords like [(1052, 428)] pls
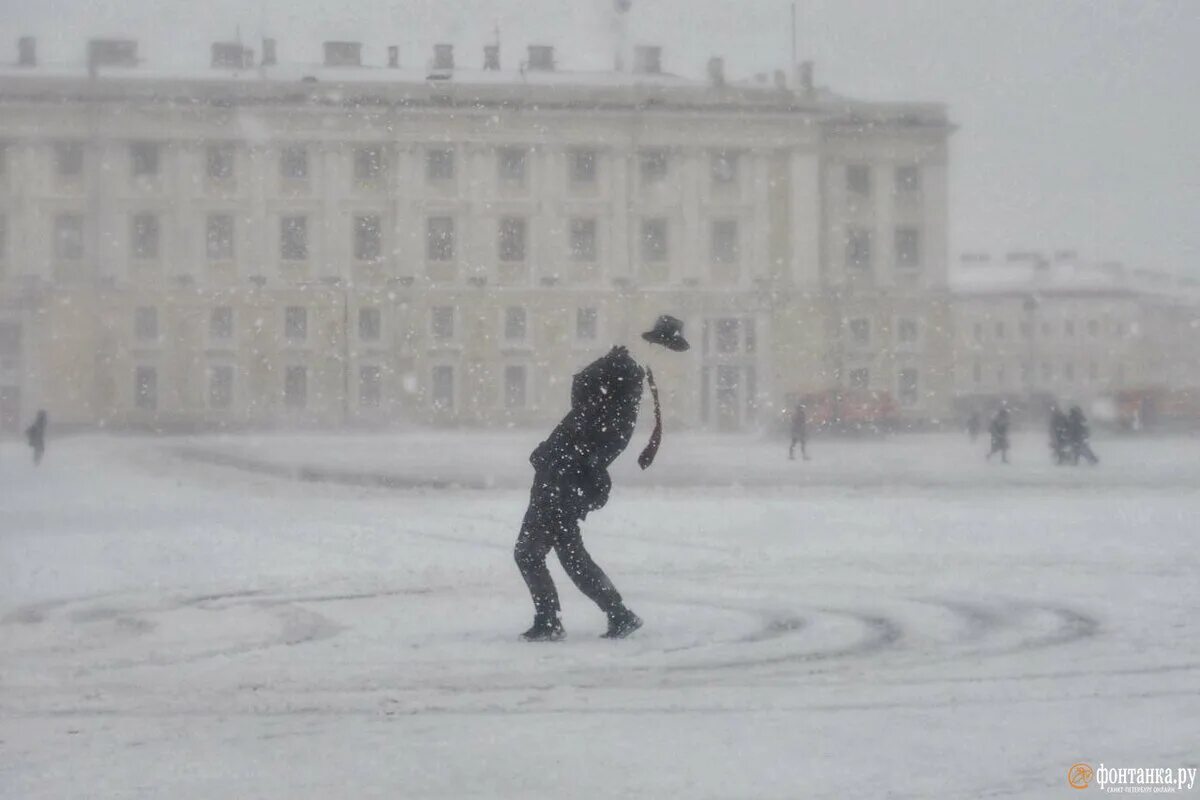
[(621, 623), (544, 629)]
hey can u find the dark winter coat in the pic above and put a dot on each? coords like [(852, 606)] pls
[(1077, 427), (604, 406), (1059, 427), (1060, 431), (999, 431), (35, 434), (799, 424)]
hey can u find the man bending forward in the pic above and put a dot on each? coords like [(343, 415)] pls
[(571, 479)]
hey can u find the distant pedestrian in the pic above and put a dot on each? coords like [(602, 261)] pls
[(799, 433), (974, 425), (1060, 438), (36, 435), (1078, 435), (999, 431)]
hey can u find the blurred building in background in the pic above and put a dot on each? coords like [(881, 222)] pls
[(1032, 329), (341, 243)]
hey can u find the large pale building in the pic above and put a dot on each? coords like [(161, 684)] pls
[(261, 243)]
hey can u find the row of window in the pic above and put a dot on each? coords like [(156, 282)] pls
[(907, 331), (370, 163), (515, 394), (440, 238), (1025, 329), (220, 389), (442, 324), (1048, 374), (906, 244), (906, 180)]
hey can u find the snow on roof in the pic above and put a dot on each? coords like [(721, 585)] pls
[(1035, 275), (371, 74), (747, 93)]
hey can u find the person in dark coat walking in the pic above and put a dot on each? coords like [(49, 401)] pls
[(1059, 435), (35, 434), (571, 480), (1078, 435), (799, 433), (999, 431)]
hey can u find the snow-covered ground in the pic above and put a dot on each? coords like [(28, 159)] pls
[(303, 616)]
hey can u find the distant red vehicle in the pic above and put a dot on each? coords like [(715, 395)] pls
[(851, 409), (1140, 408)]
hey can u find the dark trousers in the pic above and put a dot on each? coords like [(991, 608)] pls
[(1083, 450), (552, 523)]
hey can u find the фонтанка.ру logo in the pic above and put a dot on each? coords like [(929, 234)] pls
[(1132, 780)]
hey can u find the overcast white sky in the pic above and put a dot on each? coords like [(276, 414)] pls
[(1080, 119)]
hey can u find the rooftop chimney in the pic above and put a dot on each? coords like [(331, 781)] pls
[(716, 71), (269, 59), (343, 54), (393, 56), (443, 56), (27, 51), (491, 57), (541, 58), (647, 59), (112, 53)]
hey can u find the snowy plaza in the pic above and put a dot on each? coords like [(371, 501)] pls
[(336, 616)]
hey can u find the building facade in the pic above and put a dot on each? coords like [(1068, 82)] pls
[(1034, 329), (263, 244)]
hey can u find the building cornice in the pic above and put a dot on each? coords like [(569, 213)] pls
[(839, 114)]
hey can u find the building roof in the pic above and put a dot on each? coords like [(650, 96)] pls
[(464, 85), (1027, 273)]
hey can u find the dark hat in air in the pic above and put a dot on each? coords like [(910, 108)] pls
[(668, 331)]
